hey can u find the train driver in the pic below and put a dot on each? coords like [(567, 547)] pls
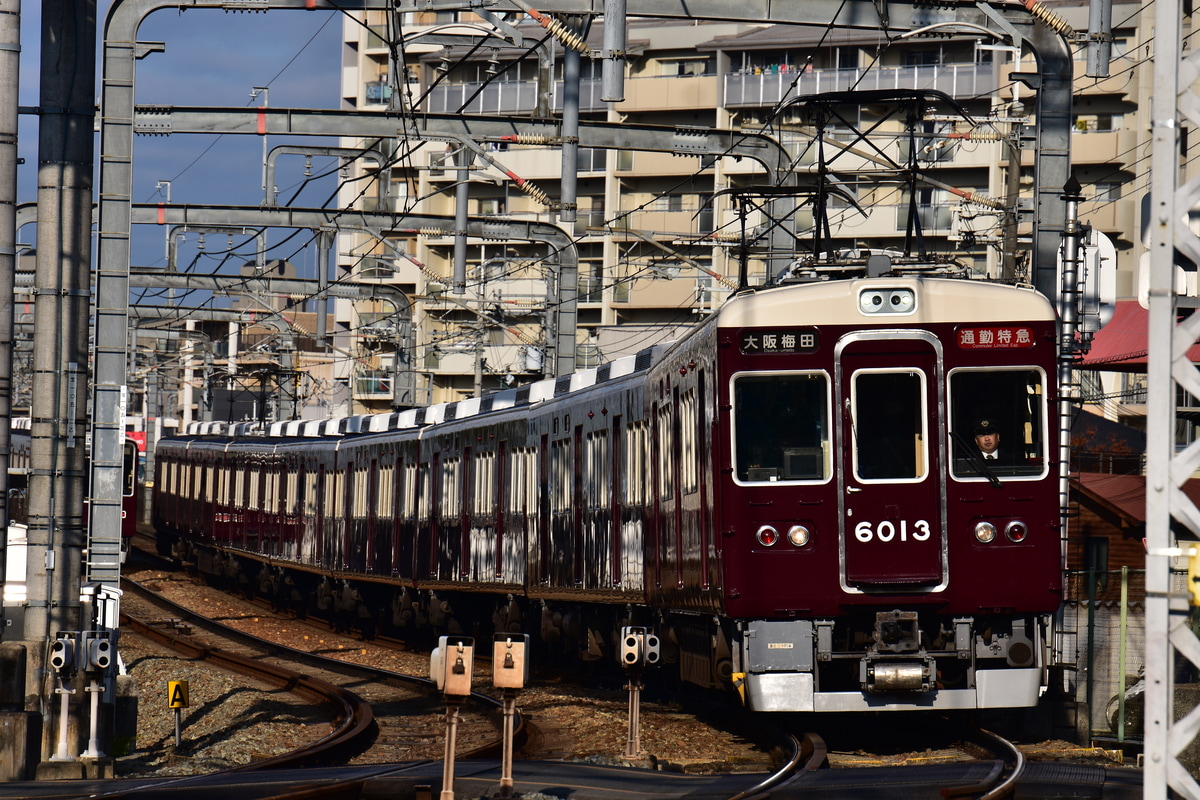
[(987, 439)]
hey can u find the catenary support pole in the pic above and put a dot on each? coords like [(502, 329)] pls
[(10, 59), (60, 355)]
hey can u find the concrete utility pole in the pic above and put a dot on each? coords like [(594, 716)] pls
[(10, 60), (59, 414)]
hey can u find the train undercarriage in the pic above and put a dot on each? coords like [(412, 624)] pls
[(897, 661)]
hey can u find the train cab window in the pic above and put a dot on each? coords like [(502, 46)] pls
[(1012, 404), (781, 427), (889, 419), (129, 469)]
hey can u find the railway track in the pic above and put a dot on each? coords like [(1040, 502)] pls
[(987, 766), (560, 721), (376, 715)]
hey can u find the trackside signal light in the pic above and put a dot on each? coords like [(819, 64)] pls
[(631, 649), (97, 651), (651, 650), (62, 653), (767, 535)]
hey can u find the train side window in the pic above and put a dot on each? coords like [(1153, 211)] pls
[(781, 427), (596, 468), (424, 489), (666, 472), (560, 474), (239, 487), (688, 467), (1014, 401), (451, 489)]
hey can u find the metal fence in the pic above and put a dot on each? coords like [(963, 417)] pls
[(1103, 632)]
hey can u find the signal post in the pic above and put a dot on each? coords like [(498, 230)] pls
[(639, 649)]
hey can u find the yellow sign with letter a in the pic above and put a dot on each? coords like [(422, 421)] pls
[(177, 694)]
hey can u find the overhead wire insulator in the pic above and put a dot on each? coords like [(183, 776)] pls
[(980, 199), (529, 189), (560, 32), (978, 136), (536, 193), (1049, 18), (525, 138)]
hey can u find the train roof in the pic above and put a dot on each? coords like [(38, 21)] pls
[(830, 302), (527, 395), (836, 303)]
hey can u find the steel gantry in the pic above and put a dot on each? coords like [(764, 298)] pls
[(1168, 632)]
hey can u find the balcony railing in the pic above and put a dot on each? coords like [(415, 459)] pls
[(741, 89), (511, 97), (746, 89)]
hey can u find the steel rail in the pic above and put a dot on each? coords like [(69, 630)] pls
[(1001, 781), (490, 706), (352, 717)]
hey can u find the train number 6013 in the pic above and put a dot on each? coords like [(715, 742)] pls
[(888, 531)]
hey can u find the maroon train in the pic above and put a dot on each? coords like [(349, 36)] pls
[(790, 496)]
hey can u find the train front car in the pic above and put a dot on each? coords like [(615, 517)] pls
[(874, 557)]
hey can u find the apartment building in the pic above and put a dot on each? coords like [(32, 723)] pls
[(656, 232)]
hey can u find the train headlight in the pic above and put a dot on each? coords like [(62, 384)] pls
[(985, 532), (1016, 531), (767, 535), (798, 535), (871, 302), (902, 300), (887, 301)]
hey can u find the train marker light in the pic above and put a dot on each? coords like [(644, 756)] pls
[(985, 532), (1016, 531), (798, 535), (767, 535)]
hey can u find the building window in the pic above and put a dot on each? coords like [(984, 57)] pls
[(683, 67), (668, 202)]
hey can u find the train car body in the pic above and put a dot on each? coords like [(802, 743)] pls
[(790, 496), (20, 462)]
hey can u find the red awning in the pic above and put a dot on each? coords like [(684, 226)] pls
[(1120, 346)]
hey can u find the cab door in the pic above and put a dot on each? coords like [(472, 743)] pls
[(892, 519)]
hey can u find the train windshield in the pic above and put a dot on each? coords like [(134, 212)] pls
[(781, 427), (997, 420), (889, 425)]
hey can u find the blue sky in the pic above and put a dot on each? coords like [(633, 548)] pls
[(212, 58)]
